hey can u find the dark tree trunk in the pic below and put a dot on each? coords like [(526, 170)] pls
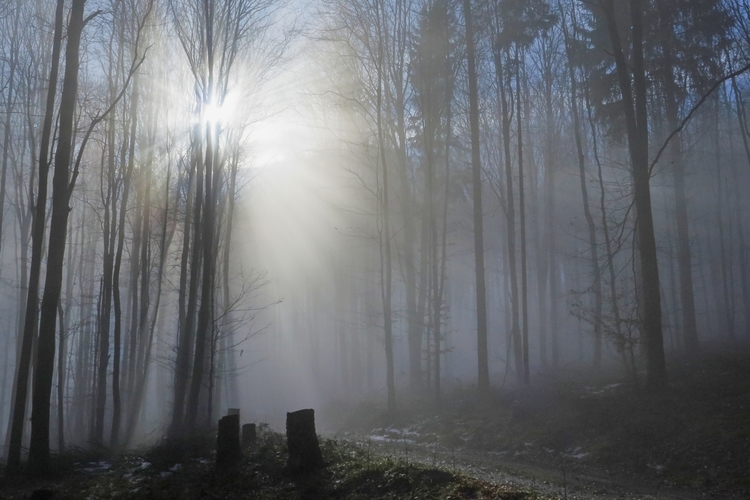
[(203, 331), (744, 254), (32, 300), (636, 118), (116, 397), (483, 374), (188, 290), (593, 249), (40, 416), (386, 260), (522, 211)]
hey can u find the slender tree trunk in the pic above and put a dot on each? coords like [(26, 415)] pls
[(510, 219), (40, 416), (724, 264), (106, 304), (483, 376), (636, 117), (10, 96), (386, 262), (227, 336), (32, 300), (744, 254), (443, 242), (684, 259), (522, 210), (593, 249), (203, 333), (149, 325), (130, 138), (61, 381), (187, 315)]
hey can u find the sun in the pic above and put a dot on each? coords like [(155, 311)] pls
[(222, 113)]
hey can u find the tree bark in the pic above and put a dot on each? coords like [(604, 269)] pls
[(634, 99), (40, 416), (483, 374), (593, 249), (32, 300)]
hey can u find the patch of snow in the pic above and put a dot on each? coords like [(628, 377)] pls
[(94, 467), (592, 392), (388, 439), (576, 453), (175, 467)]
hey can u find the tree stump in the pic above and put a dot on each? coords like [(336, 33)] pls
[(228, 450), (248, 436), (302, 441)]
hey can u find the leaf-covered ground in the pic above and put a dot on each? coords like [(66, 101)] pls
[(187, 471), (694, 436)]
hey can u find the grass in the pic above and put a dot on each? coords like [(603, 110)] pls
[(186, 470)]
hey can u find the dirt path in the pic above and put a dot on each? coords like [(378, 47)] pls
[(569, 481)]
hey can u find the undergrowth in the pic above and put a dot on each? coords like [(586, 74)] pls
[(186, 470), (694, 434)]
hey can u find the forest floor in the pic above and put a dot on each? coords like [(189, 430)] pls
[(187, 470), (570, 436), (565, 437)]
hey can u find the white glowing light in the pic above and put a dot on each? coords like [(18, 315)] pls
[(222, 113)]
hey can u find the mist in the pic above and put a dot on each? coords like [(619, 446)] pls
[(356, 205)]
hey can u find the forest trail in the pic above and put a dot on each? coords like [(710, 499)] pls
[(569, 481)]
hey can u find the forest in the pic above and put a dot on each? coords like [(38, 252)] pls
[(380, 209)]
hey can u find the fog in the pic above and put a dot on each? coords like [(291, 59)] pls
[(328, 149)]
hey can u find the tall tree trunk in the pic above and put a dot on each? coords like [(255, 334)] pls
[(10, 96), (510, 217), (744, 254), (149, 326), (609, 253), (386, 262), (106, 304), (32, 300), (593, 249), (227, 336), (522, 210), (133, 291), (130, 137), (483, 375), (204, 327), (187, 313), (636, 118), (40, 412), (684, 259), (727, 298)]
